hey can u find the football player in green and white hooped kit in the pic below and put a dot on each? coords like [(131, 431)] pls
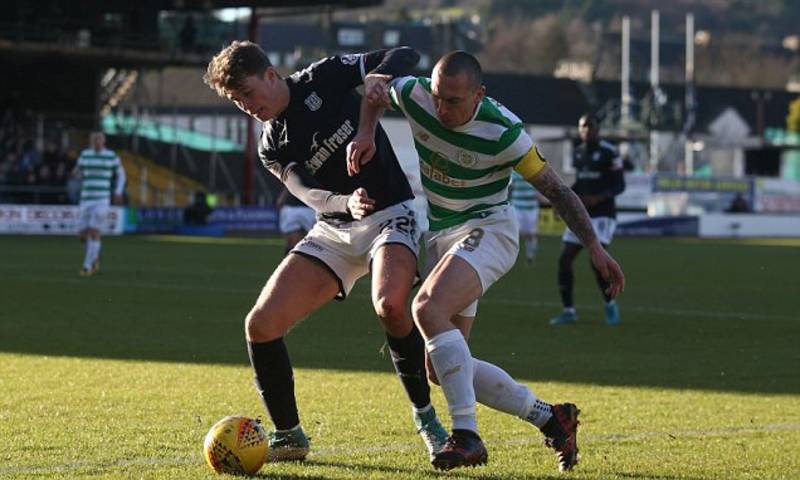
[(468, 145)]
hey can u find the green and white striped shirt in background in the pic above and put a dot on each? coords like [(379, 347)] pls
[(523, 195), (97, 171), (465, 171)]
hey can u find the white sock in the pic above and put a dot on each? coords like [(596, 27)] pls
[(530, 248), (452, 362), (87, 259), (423, 409), (94, 248), (496, 389), (539, 413), (569, 310)]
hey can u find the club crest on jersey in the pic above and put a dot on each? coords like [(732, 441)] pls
[(466, 159), (313, 102), (350, 59), (596, 156)]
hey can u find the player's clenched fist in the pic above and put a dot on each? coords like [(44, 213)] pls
[(376, 90), (359, 204)]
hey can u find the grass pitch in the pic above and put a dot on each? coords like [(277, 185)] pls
[(121, 375)]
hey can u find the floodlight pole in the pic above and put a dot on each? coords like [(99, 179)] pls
[(250, 143), (654, 64), (690, 94), (625, 94)]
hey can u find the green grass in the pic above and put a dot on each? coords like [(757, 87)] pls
[(121, 375)]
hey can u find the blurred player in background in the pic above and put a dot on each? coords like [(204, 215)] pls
[(525, 201), (295, 218), (468, 145), (599, 177), (366, 223), (97, 168)]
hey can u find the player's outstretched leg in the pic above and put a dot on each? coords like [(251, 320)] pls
[(561, 434), (496, 389), (274, 313)]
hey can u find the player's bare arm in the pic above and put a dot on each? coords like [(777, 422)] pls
[(566, 202), (376, 98), (361, 148), (305, 188), (571, 209)]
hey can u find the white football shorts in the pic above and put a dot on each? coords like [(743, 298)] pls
[(93, 215), (490, 244), (347, 249), (603, 227)]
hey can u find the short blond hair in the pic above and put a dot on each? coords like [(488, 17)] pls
[(229, 68)]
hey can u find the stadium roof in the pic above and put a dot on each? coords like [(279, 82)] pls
[(126, 5)]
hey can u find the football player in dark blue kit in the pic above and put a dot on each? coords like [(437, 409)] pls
[(365, 222), (598, 179)]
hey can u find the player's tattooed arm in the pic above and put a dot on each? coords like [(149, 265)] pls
[(571, 209), (566, 203)]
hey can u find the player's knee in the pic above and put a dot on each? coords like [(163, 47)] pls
[(392, 313), (259, 327), (420, 306), (425, 311), (386, 307)]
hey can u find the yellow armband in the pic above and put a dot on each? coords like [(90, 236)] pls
[(531, 164)]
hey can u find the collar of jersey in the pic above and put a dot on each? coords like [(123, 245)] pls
[(295, 94), (465, 126)]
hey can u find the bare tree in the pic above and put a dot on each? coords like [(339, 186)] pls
[(740, 60), (527, 46)]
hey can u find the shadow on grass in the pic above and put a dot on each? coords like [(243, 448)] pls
[(483, 472), (162, 302), (660, 475)]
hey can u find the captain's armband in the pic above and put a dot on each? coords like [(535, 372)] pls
[(531, 164)]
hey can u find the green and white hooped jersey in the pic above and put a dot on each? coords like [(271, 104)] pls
[(97, 170), (465, 171), (523, 195)]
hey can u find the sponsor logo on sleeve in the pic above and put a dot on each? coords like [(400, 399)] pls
[(350, 59)]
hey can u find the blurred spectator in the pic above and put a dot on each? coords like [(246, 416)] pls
[(30, 158), (198, 212), (738, 205)]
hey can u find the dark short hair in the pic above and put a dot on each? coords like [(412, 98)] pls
[(590, 118), (233, 64), (459, 61)]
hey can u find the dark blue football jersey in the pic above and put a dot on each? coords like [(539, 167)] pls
[(319, 122), (598, 170)]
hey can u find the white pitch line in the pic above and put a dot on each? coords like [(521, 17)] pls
[(399, 447)]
